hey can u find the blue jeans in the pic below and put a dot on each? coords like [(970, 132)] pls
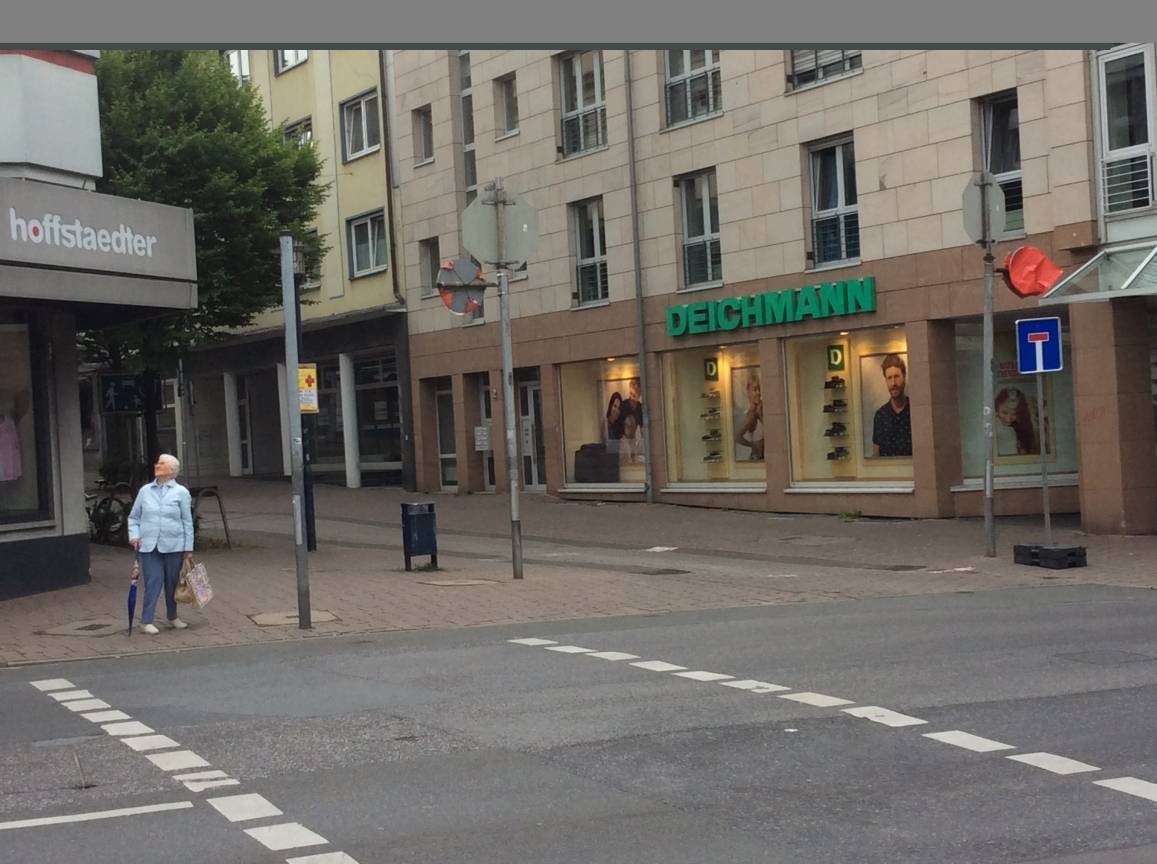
[(160, 570)]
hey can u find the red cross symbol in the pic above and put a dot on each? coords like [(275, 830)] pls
[(308, 380)]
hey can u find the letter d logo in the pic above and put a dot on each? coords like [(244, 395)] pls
[(836, 358)]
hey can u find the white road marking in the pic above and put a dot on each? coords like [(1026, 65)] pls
[(569, 649), (130, 728), (324, 858), (613, 655), (201, 775), (203, 785), (754, 686), (68, 695), (969, 742), (151, 742), (177, 760), (661, 549), (532, 641), (1131, 786), (288, 835), (884, 716), (1052, 762), (85, 705), (658, 666), (52, 684), (106, 716), (243, 808), (818, 700), (705, 676), (91, 817)]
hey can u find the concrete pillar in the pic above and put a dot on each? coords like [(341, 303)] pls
[(426, 466), (463, 436), (936, 453), (1113, 403), (553, 472), (283, 408), (349, 422), (232, 424)]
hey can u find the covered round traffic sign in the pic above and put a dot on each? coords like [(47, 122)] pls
[(1028, 272), (461, 286)]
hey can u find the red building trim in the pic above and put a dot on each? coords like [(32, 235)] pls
[(67, 59)]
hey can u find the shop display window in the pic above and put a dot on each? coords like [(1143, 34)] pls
[(1017, 428), (848, 407), (601, 414), (24, 454), (713, 401)]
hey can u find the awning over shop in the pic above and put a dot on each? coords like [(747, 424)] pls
[(1126, 270)]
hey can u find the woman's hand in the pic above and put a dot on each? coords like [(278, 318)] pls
[(136, 544), (189, 557)]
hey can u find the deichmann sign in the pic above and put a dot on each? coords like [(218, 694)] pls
[(42, 225), (775, 307)]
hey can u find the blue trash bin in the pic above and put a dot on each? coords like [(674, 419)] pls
[(419, 531)]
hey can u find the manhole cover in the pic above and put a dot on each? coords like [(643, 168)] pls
[(285, 619), (1107, 657), (458, 583), (91, 627)]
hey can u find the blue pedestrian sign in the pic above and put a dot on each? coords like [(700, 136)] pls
[(121, 393), (1038, 345)]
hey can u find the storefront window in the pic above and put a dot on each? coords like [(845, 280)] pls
[(379, 409), (24, 454), (713, 399), (848, 407), (602, 413), (327, 443), (1017, 430)]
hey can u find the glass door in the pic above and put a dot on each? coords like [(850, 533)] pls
[(447, 452)]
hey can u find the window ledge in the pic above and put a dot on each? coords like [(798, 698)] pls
[(595, 488), (38, 525), (851, 487), (1027, 481), (714, 487), (424, 162), (835, 265), (852, 73), (513, 133), (705, 286), (353, 157), (429, 295), (596, 304), (581, 153), (1135, 213), (683, 124), (367, 273), (477, 322)]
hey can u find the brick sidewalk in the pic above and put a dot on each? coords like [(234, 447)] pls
[(724, 559)]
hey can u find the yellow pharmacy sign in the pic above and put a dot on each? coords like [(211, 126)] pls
[(307, 388)]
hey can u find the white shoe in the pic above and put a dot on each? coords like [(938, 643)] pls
[(177, 624), (150, 629)]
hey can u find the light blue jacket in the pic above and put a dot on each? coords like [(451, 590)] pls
[(162, 518)]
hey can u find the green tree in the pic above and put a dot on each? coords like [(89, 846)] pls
[(178, 128)]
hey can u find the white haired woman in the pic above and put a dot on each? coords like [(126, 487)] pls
[(161, 530)]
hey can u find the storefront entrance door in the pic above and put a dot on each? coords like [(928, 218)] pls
[(531, 438)]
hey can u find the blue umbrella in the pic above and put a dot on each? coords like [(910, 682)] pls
[(133, 592)]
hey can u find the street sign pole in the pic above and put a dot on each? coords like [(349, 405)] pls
[(989, 372), (1044, 464), (508, 381), (293, 405)]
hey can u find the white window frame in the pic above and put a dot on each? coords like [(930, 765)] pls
[(351, 232), (1005, 178), (430, 264), (842, 210), (293, 132), (469, 151), (423, 134), (699, 185), (285, 59), (711, 70), (591, 210), (238, 59), (368, 123), (1146, 151), (571, 65), (850, 59), (505, 86), (443, 456)]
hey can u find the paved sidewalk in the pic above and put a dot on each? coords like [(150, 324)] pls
[(583, 560)]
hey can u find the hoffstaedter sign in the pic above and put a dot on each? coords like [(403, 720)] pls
[(775, 307), (1038, 345)]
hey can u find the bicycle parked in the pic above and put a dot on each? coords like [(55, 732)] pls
[(108, 514)]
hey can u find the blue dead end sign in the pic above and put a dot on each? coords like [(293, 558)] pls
[(1038, 345)]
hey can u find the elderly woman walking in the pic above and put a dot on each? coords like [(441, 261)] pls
[(161, 530)]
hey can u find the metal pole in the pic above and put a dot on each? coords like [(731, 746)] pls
[(306, 435), (508, 382), (989, 518), (293, 405), (1044, 465)]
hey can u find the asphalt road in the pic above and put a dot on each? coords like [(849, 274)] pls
[(462, 746)]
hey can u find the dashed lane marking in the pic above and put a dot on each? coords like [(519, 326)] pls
[(288, 835), (94, 816), (324, 858), (85, 705), (1052, 762), (705, 676), (533, 642), (205, 785), (1131, 786), (201, 775), (177, 760), (52, 684), (106, 716), (130, 728), (968, 741), (569, 649), (69, 695), (612, 655), (817, 700), (755, 686), (151, 742), (884, 716), (658, 666), (244, 808)]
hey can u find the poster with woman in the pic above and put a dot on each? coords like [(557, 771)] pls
[(747, 413), (1017, 432)]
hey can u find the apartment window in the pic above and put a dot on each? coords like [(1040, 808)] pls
[(693, 85), (466, 108), (591, 251), (584, 111), (300, 133), (285, 59), (1127, 128), (702, 257), (430, 257), (238, 63), (835, 212), (812, 65), (423, 119), (506, 105), (361, 128), (367, 239), (1002, 155)]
